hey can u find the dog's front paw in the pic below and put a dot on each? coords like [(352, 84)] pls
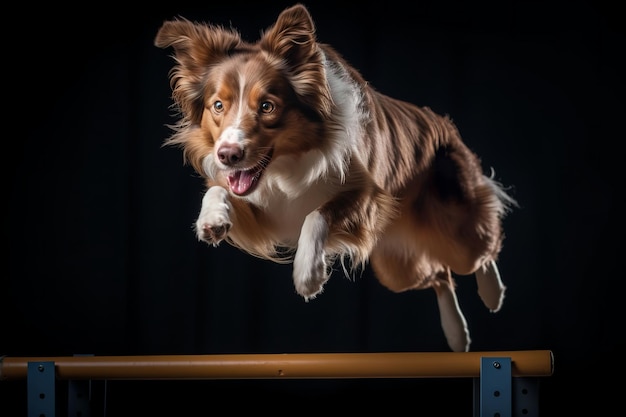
[(214, 221), (309, 265)]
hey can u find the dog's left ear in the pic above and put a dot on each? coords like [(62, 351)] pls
[(292, 39)]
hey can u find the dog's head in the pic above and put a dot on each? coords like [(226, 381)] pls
[(244, 106)]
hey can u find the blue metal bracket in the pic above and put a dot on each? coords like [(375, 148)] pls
[(493, 389), (498, 394), (41, 389)]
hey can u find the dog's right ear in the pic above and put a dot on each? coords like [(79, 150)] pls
[(196, 47)]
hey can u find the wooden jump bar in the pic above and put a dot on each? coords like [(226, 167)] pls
[(528, 363)]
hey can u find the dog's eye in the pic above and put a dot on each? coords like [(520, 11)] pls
[(267, 107), (218, 106)]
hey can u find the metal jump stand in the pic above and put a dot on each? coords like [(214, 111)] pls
[(506, 383)]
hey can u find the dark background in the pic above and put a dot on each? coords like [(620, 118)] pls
[(102, 258)]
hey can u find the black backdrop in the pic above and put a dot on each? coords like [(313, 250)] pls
[(102, 258)]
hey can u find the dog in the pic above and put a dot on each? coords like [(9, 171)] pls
[(306, 162)]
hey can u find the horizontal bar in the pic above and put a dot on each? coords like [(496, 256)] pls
[(281, 366)]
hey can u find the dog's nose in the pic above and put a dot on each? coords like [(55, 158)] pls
[(229, 153)]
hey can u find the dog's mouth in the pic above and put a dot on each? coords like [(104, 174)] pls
[(243, 182)]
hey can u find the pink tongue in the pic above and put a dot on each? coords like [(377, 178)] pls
[(241, 181)]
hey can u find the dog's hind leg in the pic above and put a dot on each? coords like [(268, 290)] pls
[(399, 274), (490, 287), (452, 319)]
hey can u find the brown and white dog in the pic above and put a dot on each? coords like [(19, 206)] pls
[(304, 161)]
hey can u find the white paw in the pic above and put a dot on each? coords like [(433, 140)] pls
[(309, 265), (214, 221)]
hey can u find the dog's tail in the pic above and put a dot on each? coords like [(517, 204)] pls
[(490, 287)]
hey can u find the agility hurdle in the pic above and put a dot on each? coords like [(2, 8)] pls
[(505, 382)]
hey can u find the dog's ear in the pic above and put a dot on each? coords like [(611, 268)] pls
[(196, 46), (292, 39)]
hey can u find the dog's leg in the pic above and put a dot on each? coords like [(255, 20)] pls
[(452, 320), (309, 265), (490, 287), (214, 220)]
